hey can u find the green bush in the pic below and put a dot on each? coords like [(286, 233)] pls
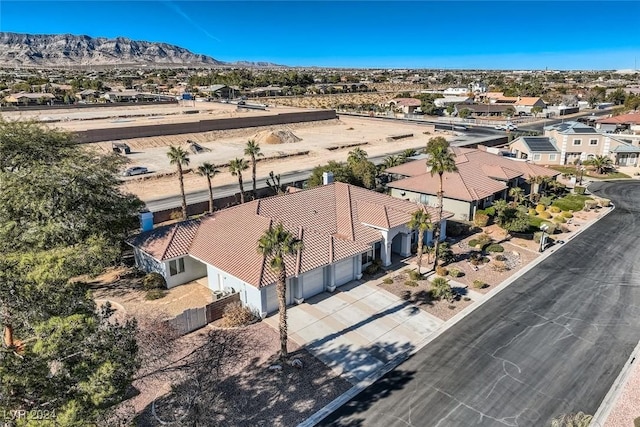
[(495, 248), (473, 243), (455, 272), (533, 212), (540, 207), (545, 200), (537, 236), (411, 283), (567, 214), (554, 209), (571, 202), (480, 220), (545, 215), (154, 281), (441, 289), (636, 422), (578, 190), (387, 281), (153, 294), (415, 275), (559, 219), (491, 211), (479, 284)]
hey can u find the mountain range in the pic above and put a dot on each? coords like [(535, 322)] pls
[(57, 50)]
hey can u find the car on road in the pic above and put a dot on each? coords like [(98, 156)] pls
[(135, 170), (507, 126)]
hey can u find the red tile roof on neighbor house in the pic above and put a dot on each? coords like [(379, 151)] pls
[(406, 102), (167, 242), (330, 220), (630, 118), (480, 174)]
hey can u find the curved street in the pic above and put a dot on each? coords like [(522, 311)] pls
[(552, 342)]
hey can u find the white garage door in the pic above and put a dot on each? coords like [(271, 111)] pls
[(272, 297), (312, 283), (344, 271)]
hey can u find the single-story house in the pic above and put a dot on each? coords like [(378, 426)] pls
[(452, 100), (623, 122), (480, 110), (482, 178), (407, 105), (25, 98), (344, 228)]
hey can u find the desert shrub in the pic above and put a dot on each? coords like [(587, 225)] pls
[(500, 257), (540, 207), (546, 200), (451, 307), (567, 214), (415, 275), (563, 228), (578, 190), (441, 289), (491, 211), (441, 271), (499, 266), (495, 248), (454, 272), (554, 209), (480, 220), (571, 202), (411, 283), (479, 284), (154, 281), (236, 314), (466, 299), (559, 219), (545, 215), (153, 294), (445, 254), (473, 243), (537, 236), (636, 422), (590, 204), (533, 212), (604, 202), (373, 268), (387, 281), (484, 239)]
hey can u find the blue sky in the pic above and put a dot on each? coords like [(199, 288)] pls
[(416, 34)]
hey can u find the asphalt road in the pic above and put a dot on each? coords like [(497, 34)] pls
[(552, 342)]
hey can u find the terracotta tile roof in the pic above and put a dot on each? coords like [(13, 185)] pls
[(328, 218), (406, 102), (630, 118), (170, 241), (528, 100), (480, 175)]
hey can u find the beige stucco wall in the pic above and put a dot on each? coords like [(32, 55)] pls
[(460, 209)]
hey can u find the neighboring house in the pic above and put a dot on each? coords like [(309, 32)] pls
[(344, 229), (267, 91), (135, 96), (25, 98), (452, 100), (482, 178), (569, 142), (406, 105), (89, 95), (521, 104), (456, 91), (483, 110), (623, 123)]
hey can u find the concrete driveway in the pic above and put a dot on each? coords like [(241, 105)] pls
[(358, 328)]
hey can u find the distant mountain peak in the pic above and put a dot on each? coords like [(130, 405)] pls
[(51, 50)]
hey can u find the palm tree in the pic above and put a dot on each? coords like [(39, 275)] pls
[(236, 166), (177, 156), (391, 161), (536, 181), (517, 194), (356, 155), (253, 149), (275, 244), (409, 152), (208, 170), (440, 160), (420, 221), (600, 163)]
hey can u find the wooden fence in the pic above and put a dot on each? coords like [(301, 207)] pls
[(196, 318)]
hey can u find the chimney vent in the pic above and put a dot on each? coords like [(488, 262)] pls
[(327, 178)]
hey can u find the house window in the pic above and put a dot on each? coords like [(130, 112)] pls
[(553, 157), (536, 157), (577, 142), (593, 142), (176, 266), (367, 257)]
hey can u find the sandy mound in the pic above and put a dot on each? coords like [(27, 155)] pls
[(276, 137)]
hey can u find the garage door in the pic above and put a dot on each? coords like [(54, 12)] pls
[(344, 271), (272, 298), (312, 283)]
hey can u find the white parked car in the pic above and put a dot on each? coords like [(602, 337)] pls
[(135, 170)]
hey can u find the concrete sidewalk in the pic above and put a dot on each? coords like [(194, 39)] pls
[(359, 328)]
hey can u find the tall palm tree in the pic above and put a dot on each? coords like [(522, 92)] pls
[(252, 149), (356, 155), (208, 170), (177, 156), (536, 184), (275, 244), (440, 160), (517, 194), (409, 152), (420, 221), (236, 166)]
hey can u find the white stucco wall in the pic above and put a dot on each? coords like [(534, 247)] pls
[(460, 209), (192, 270)]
